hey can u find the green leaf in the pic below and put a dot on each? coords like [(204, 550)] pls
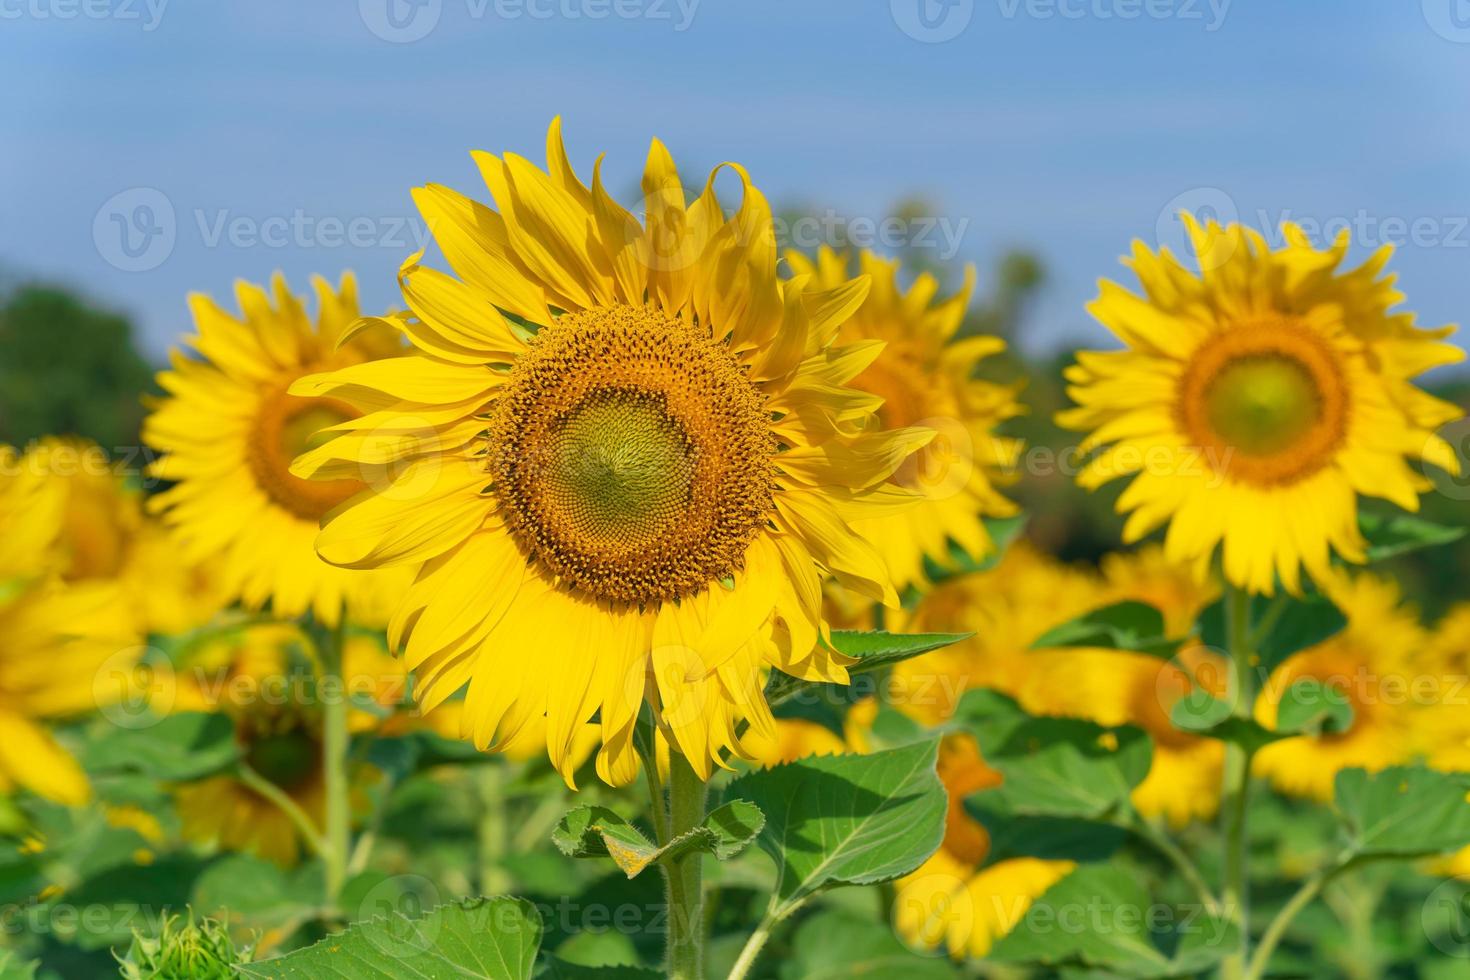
[(1056, 767), (847, 819), (1201, 713), (12, 967), (837, 945), (1289, 625), (486, 938), (1405, 810), (596, 831), (179, 748), (1133, 626), (1398, 534), (1099, 916), (1312, 707), (873, 650)]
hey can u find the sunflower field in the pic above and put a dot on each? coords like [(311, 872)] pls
[(639, 596)]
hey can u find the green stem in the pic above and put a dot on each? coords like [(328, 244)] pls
[(299, 817), (1174, 854), (687, 795), (1309, 890), (752, 949), (1235, 895), (335, 748), (658, 804)]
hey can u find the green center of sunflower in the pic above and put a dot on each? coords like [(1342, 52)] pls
[(620, 468), (1262, 405), (1265, 400), (632, 455)]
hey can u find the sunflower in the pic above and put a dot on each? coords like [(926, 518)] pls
[(62, 645), (1113, 687), (106, 536), (1371, 663), (631, 446), (1443, 718), (229, 430), (261, 678), (1007, 609), (955, 899), (926, 378), (1257, 399)]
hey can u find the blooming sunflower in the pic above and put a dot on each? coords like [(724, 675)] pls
[(1257, 399), (1007, 609), (1443, 715), (954, 899), (1372, 664), (1113, 687), (61, 644), (260, 678), (229, 430), (629, 445), (926, 378), (106, 536)]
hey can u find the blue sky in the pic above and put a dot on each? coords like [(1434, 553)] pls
[(286, 135)]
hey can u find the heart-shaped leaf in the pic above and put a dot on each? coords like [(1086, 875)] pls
[(847, 819), (1403, 810)]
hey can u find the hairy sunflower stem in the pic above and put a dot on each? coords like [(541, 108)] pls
[(1235, 895), (335, 748), (752, 949), (684, 878)]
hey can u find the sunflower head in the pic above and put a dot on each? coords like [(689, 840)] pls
[(628, 443), (1370, 665), (925, 377), (1257, 399), (228, 429)]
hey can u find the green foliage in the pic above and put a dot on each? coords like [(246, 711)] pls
[(14, 967), (1404, 811), (489, 937), (68, 368), (189, 745), (596, 831), (873, 650), (1312, 706), (1400, 534), (1133, 626), (1286, 625), (1056, 767), (846, 819), (837, 945), (1102, 917)]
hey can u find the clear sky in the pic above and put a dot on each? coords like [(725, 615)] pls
[(152, 148)]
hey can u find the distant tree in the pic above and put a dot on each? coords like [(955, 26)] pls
[(67, 368)]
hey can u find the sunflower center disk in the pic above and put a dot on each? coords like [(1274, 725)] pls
[(285, 427), (632, 455), (1263, 405), (1266, 401)]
